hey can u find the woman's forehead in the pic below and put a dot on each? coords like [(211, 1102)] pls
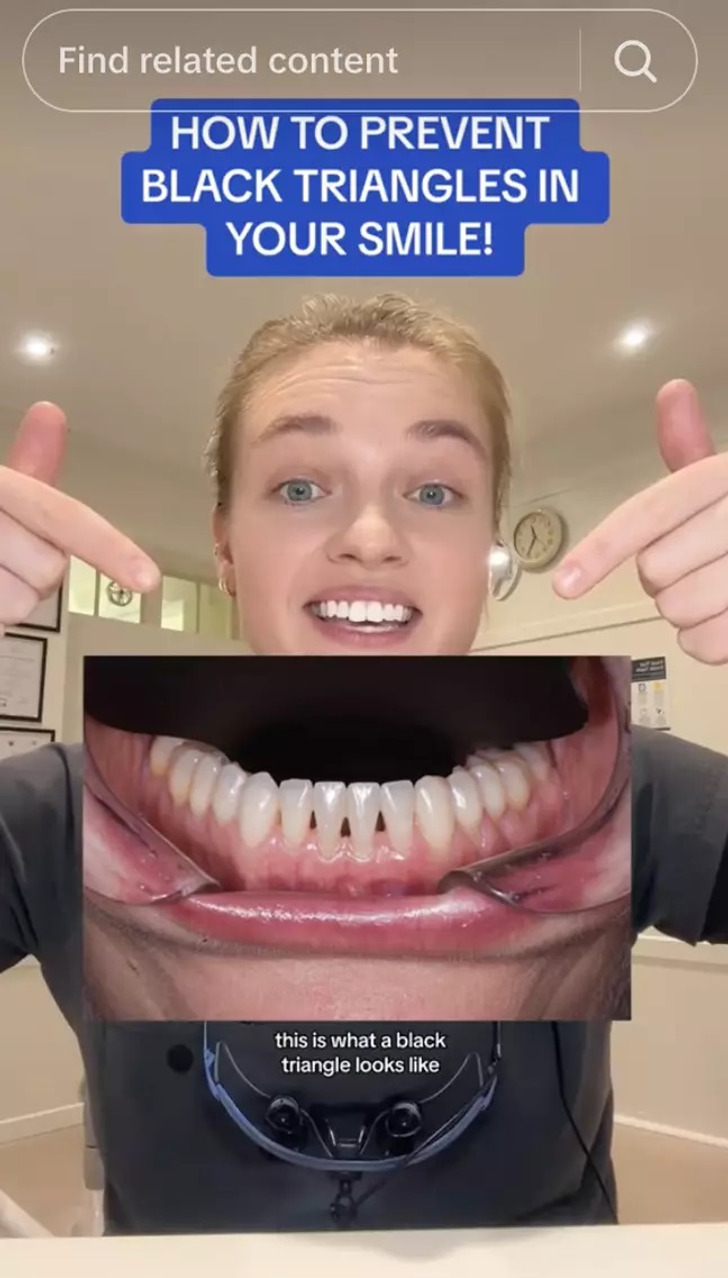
[(340, 379)]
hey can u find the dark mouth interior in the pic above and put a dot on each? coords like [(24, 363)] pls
[(379, 718), (350, 749)]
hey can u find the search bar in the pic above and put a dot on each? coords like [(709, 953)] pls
[(120, 60)]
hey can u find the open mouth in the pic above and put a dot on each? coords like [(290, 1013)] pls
[(307, 814), (363, 618)]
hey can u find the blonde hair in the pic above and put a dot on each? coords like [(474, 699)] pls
[(388, 320)]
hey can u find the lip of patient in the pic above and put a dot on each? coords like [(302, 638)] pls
[(264, 905)]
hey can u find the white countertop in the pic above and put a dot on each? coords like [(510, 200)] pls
[(645, 1251)]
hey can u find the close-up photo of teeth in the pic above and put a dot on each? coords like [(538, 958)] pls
[(303, 838)]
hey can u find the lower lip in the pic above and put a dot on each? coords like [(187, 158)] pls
[(348, 635), (458, 922)]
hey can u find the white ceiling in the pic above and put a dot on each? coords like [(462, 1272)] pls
[(146, 337)]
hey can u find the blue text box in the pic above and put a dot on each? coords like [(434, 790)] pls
[(346, 188)]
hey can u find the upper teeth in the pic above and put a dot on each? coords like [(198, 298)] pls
[(492, 782), (371, 611)]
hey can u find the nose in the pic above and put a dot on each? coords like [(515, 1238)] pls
[(371, 539)]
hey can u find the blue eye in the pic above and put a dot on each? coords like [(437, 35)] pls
[(298, 492), (435, 495)]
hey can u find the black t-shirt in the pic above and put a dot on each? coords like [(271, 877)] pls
[(175, 1163)]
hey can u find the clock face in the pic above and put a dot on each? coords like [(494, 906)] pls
[(538, 538)]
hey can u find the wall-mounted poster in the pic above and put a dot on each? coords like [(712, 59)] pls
[(22, 677), (47, 616), (649, 693)]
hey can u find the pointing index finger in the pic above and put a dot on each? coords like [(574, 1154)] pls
[(639, 521), (76, 530)]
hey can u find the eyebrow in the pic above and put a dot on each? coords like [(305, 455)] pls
[(427, 429)]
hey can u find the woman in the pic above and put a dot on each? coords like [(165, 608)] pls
[(361, 457), (359, 482), (385, 347)]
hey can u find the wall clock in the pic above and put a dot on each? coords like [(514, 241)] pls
[(538, 538)]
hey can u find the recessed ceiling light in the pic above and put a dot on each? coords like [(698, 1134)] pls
[(37, 348), (635, 337)]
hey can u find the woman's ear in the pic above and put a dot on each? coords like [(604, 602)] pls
[(503, 570), (223, 556)]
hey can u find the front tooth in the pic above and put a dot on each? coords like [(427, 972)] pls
[(434, 810), (375, 612), (296, 799), (329, 806), (515, 782), (389, 612), (466, 799), (491, 789), (357, 611), (398, 810), (179, 779), (536, 759), (363, 801), (342, 611), (203, 784), (331, 608), (258, 809), (226, 796), (161, 752)]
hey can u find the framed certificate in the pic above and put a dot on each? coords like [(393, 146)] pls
[(15, 741), (47, 616), (22, 677)]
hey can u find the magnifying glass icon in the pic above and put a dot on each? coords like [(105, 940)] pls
[(643, 68)]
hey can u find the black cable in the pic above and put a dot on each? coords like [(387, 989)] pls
[(567, 1110)]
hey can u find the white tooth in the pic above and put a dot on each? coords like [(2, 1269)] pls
[(296, 808), (179, 778), (398, 612), (258, 808), (491, 789), (375, 612), (226, 795), (389, 612), (357, 611), (398, 810), (466, 799), (203, 783), (330, 608), (515, 782), (161, 752), (329, 806), (536, 759), (363, 801), (342, 611), (434, 810)]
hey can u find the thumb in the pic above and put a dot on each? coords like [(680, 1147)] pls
[(40, 444), (682, 433)]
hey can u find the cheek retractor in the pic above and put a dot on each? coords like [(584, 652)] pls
[(490, 876), (167, 873)]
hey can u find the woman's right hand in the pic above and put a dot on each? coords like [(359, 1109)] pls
[(41, 527)]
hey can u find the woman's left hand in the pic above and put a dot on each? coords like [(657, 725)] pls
[(677, 530)]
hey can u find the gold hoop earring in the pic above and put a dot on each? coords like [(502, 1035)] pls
[(224, 588)]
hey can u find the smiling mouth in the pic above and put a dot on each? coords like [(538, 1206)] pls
[(356, 619), (264, 849)]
